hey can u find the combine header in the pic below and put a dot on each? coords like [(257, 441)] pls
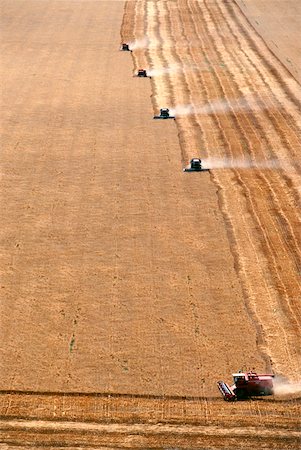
[(195, 166), (164, 114), (125, 47), (246, 385)]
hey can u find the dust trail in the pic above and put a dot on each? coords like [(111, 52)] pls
[(175, 68), (250, 103), (139, 43), (283, 387), (243, 163), (143, 43), (165, 70), (182, 110)]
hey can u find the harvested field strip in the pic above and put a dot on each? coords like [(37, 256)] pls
[(220, 61), (82, 434), (129, 408)]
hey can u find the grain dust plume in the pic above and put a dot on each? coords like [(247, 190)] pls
[(173, 69), (239, 163), (164, 70), (248, 104), (284, 387), (143, 43)]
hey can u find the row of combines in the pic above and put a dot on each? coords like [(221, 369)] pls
[(248, 384), (195, 164)]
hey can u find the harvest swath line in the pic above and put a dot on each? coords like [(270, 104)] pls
[(107, 395), (55, 433)]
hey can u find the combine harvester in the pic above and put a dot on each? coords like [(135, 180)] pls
[(195, 166), (142, 74), (125, 47), (246, 385), (164, 114)]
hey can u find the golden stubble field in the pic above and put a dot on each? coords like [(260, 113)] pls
[(128, 287)]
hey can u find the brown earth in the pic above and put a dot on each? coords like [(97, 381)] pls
[(129, 287)]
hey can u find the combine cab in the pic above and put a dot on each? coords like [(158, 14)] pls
[(246, 385), (164, 114), (125, 47), (142, 74), (195, 166)]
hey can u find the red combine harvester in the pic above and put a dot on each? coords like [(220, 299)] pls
[(246, 385)]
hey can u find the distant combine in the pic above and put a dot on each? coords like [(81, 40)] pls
[(195, 163), (125, 47), (142, 73), (164, 114), (196, 166)]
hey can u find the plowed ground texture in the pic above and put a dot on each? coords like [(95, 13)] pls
[(129, 287)]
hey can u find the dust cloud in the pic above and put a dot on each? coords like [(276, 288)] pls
[(238, 163), (143, 43), (222, 106), (139, 43), (164, 70), (284, 387), (172, 69), (182, 110)]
